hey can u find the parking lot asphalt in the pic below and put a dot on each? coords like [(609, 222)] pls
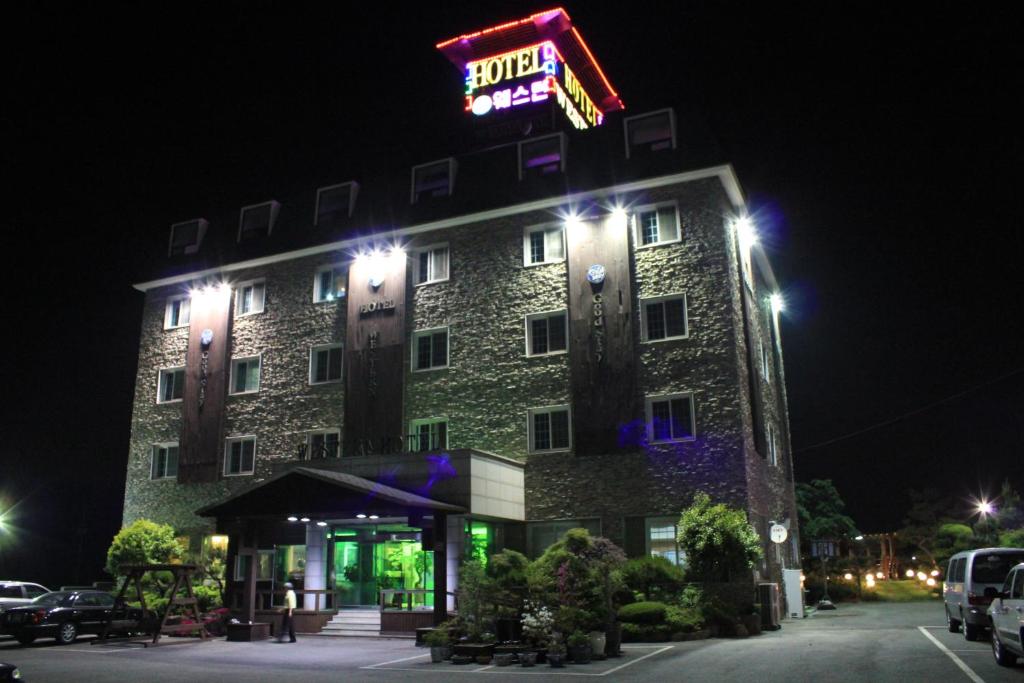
[(868, 642)]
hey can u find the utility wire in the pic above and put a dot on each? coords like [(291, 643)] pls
[(911, 413)]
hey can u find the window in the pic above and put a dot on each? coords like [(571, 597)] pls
[(546, 333), (245, 375), (664, 317), (329, 284), (323, 443), (257, 220), (171, 385), (542, 535), (165, 461), (656, 225), (650, 133), (549, 429), (178, 312), (240, 456), (430, 349), (431, 264), (1018, 586), (428, 435), (662, 533), (264, 566), (432, 180), (773, 452), (542, 156), (765, 362), (670, 418), (33, 591), (335, 203), (186, 237), (325, 364), (249, 297), (545, 244)]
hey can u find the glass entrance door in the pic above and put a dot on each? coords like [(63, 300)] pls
[(370, 559)]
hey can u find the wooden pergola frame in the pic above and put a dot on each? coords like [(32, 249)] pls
[(182, 579)]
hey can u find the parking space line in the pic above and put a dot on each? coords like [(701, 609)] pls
[(949, 653), (394, 661)]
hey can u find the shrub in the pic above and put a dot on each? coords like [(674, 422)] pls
[(142, 542), (643, 613), (208, 597), (683, 619), (645, 633), (718, 540), (654, 577)]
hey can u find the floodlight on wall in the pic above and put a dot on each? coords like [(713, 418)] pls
[(374, 517), (745, 231), (321, 523), (618, 218), (293, 519), (360, 516), (304, 519), (778, 303)]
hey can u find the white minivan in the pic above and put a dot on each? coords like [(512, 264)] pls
[(968, 575), (1007, 614)]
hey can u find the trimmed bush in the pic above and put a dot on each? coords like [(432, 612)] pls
[(643, 613), (645, 633), (683, 619), (655, 577)]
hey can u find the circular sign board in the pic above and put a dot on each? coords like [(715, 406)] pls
[(779, 533), (206, 338), (595, 274)]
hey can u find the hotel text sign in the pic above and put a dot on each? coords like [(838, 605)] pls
[(527, 76)]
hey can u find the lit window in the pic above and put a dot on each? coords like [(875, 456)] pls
[(329, 284), (546, 333), (650, 133), (431, 264), (257, 220), (245, 375), (542, 156), (323, 444), (335, 203), (240, 455), (549, 429), (662, 533), (656, 225), (249, 297), (670, 418), (171, 385), (177, 312), (773, 448), (664, 317), (165, 461), (186, 237), (325, 364), (432, 180), (545, 244), (428, 435), (430, 349)]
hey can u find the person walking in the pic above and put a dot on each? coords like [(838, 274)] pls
[(289, 609)]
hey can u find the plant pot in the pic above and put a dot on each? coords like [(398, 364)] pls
[(613, 641), (528, 658), (439, 653), (556, 661), (483, 659), (597, 643), (504, 659), (462, 659), (580, 654), (474, 649)]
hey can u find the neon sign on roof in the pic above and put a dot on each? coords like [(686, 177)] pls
[(525, 76)]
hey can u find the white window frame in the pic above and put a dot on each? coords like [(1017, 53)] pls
[(546, 228), (417, 334), (318, 295), (649, 417), (452, 167), (415, 424), (663, 521), (234, 369), (528, 332), (562, 145), (637, 230), (657, 300), (227, 455), (321, 432), (160, 384), (672, 124), (153, 458), (238, 297), (430, 249), (531, 412), (192, 248), (275, 208), (171, 300), (765, 362), (351, 198), (312, 356), (773, 446)]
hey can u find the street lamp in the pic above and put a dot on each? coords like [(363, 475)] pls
[(985, 508)]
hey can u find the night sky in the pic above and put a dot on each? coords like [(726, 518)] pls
[(879, 148)]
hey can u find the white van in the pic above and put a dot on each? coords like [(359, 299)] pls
[(968, 575)]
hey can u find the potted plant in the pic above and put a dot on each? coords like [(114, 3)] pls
[(580, 650), (556, 652), (439, 641), (528, 658)]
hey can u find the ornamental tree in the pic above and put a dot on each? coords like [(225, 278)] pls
[(718, 540), (143, 542)]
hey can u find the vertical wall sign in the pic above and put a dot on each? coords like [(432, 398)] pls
[(601, 351), (206, 371), (375, 354)]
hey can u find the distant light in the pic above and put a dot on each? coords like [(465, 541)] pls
[(910, 573), (921, 576), (374, 517), (935, 572), (293, 519), (360, 516), (985, 508), (880, 575), (304, 519), (930, 581), (848, 576), (745, 231), (778, 302), (321, 523), (913, 557), (858, 538)]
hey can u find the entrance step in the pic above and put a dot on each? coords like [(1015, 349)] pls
[(363, 623)]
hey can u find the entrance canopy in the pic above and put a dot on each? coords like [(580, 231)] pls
[(308, 492)]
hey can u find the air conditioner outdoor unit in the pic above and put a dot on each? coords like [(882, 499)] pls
[(768, 596)]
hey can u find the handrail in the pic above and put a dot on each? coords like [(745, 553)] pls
[(266, 595), (409, 592)]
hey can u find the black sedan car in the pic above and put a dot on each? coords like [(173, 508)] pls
[(63, 615), (9, 672)]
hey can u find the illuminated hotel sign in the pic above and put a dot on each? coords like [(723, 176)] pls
[(528, 76)]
